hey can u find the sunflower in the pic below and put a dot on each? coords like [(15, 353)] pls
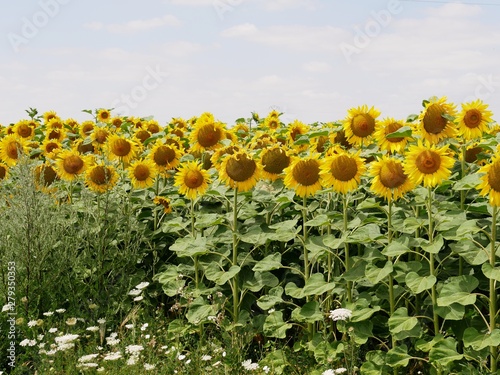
[(428, 164), (121, 148), (152, 126), (435, 120), (11, 148), (50, 115), (389, 179), (474, 119), (70, 164), (391, 145), (45, 175), (84, 147), (165, 156), (99, 136), (141, 134), (262, 140), (343, 171), (142, 173), (472, 152), (101, 177), (490, 180), (103, 115), (218, 156), (191, 179), (86, 128), (165, 202), (274, 160), (272, 121), (360, 124), (116, 122), (303, 175), (50, 148), (4, 171), (240, 171), (24, 129), (55, 134), (207, 133)]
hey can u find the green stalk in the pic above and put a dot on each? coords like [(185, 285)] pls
[(462, 206), (346, 248), (435, 316), (304, 232), (195, 258), (392, 302), (493, 295), (236, 292)]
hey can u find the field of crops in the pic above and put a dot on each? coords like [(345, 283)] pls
[(366, 245)]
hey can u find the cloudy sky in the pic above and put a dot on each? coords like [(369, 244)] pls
[(311, 59)]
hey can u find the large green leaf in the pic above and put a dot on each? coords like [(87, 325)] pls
[(256, 236), (208, 220), (435, 246), (375, 364), (480, 341), (333, 242), (458, 290), (398, 356), (274, 326), (317, 285), (361, 310), (308, 313), (455, 311), (468, 182), (491, 272), (319, 220), (445, 352), (365, 234), (273, 297), (189, 247), (170, 281), (214, 273), (402, 326), (471, 252), (199, 310), (417, 283), (375, 274), (396, 247), (360, 332), (261, 280), (269, 263)]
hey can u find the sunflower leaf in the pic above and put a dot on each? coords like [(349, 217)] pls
[(402, 132)]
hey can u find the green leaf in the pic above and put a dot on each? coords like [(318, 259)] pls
[(398, 356), (333, 242), (455, 311), (308, 313), (317, 285), (367, 233), (273, 297), (361, 310), (170, 281), (375, 274), (404, 131), (274, 326), (319, 220), (480, 341), (472, 253), (418, 284), (458, 290), (360, 332), (199, 310), (491, 272), (286, 225), (208, 220), (468, 182), (445, 352), (214, 273), (256, 236), (269, 263), (175, 225), (261, 280), (396, 248), (189, 247), (468, 227), (434, 247), (292, 290), (402, 326), (318, 133)]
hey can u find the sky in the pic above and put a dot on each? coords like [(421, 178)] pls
[(312, 60)]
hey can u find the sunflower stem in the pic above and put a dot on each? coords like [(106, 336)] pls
[(195, 258), (236, 301), (435, 316), (392, 304), (346, 247), (493, 295), (462, 206), (310, 326)]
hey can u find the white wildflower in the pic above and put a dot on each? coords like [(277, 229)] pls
[(88, 364), (142, 285), (206, 357), (87, 358), (129, 326), (181, 357), (27, 342), (138, 298), (65, 339), (32, 323), (144, 326), (248, 365), (101, 321), (60, 311), (340, 314), (340, 370), (134, 349), (93, 329), (48, 313), (266, 369), (113, 356), (148, 367), (134, 292), (188, 361), (71, 321), (52, 330)]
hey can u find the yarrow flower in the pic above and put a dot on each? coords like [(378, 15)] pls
[(142, 285), (206, 357), (340, 314), (249, 365)]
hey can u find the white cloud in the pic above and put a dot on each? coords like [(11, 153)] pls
[(242, 30), (279, 5), (135, 25), (317, 66)]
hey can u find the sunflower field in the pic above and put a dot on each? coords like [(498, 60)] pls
[(366, 245)]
